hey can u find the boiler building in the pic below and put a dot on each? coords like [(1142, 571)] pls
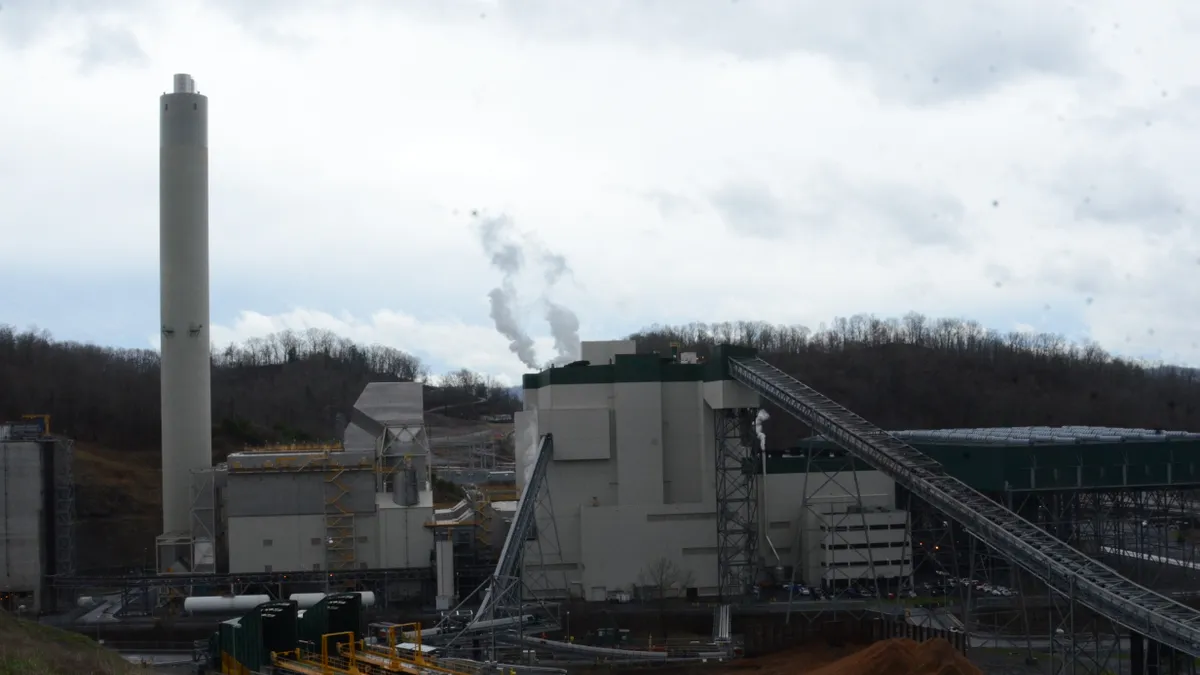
[(633, 483)]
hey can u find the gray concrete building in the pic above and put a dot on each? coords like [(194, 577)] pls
[(633, 481), (36, 515), (362, 504)]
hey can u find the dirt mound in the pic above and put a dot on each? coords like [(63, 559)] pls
[(29, 648), (903, 657)]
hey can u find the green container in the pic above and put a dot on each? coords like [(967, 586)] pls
[(335, 613), (269, 627), (228, 638)]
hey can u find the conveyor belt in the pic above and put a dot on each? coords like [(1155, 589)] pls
[(518, 532), (1060, 566)]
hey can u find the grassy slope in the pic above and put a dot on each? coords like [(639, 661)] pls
[(29, 648)]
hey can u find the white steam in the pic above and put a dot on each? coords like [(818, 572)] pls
[(564, 326), (761, 417), (506, 323), (529, 452), (495, 235), (506, 248)]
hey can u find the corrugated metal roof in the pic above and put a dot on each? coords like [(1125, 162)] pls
[(393, 403), (1037, 435)]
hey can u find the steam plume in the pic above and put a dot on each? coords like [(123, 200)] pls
[(508, 326), (507, 257), (564, 326), (761, 417)]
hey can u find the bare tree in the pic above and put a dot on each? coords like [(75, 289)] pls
[(662, 579)]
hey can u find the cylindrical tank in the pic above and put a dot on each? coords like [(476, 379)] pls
[(223, 603), (307, 600), (183, 297)]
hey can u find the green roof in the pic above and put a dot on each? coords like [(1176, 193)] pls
[(627, 368)]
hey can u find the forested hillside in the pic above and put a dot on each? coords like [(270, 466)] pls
[(916, 372), (289, 386)]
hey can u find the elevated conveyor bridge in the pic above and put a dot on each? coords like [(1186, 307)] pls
[(1063, 568)]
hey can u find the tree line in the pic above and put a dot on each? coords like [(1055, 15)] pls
[(290, 386), (916, 372)]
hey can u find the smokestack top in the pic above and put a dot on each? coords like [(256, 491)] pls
[(184, 84)]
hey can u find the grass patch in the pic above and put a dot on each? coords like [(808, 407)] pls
[(29, 648)]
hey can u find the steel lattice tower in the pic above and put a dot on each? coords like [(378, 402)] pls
[(737, 502)]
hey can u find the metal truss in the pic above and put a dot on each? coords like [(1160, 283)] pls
[(838, 528), (241, 580), (204, 521), (1067, 571), (518, 586), (737, 503), (64, 507)]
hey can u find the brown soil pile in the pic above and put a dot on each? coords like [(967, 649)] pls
[(903, 657)]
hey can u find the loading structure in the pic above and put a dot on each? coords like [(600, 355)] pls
[(1067, 571), (502, 598)]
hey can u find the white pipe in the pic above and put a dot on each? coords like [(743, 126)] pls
[(307, 600), (223, 603)]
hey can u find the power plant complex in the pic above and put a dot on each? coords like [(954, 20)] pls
[(633, 476)]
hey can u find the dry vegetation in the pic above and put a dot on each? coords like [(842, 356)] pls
[(29, 648)]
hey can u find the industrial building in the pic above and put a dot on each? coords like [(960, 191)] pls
[(363, 504), (635, 469), (36, 514)]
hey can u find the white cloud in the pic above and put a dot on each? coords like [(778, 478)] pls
[(779, 161), (476, 347)]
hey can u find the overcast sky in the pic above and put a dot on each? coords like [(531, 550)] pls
[(1029, 164)]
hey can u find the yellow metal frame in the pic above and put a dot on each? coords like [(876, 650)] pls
[(393, 661), (45, 421)]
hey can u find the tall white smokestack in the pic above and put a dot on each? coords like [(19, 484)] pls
[(183, 297)]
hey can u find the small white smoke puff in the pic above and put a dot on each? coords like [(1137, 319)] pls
[(529, 454), (761, 417)]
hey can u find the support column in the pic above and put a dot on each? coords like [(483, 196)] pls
[(443, 548)]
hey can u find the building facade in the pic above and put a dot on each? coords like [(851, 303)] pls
[(632, 481), (36, 516)]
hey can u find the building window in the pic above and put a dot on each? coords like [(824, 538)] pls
[(266, 568), (267, 542), (362, 565), (317, 567)]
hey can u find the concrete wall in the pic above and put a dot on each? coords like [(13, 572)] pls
[(280, 543), (602, 352), (21, 516), (403, 539), (294, 493), (684, 535), (393, 537), (639, 420)]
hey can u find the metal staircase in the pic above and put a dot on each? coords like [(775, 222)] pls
[(339, 523), (1063, 568)]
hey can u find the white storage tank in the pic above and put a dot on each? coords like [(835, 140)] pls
[(223, 604), (307, 600)]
